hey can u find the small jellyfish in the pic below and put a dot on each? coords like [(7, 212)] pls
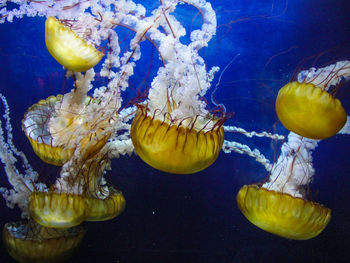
[(69, 49), (30, 242), (105, 208), (58, 210), (306, 108), (280, 205)]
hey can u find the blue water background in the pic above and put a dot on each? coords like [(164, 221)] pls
[(194, 218)]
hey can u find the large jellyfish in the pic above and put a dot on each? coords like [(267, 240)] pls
[(173, 131)]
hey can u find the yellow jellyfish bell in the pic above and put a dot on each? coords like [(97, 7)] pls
[(71, 51), (309, 111), (174, 148), (58, 210), (30, 242), (282, 214), (105, 209)]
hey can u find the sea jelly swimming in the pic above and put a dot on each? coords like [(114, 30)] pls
[(31, 242), (306, 108), (173, 131), (70, 50), (280, 205), (53, 125)]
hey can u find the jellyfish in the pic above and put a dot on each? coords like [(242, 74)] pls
[(31, 242), (173, 131), (306, 108), (54, 126), (69, 49), (101, 209), (280, 206)]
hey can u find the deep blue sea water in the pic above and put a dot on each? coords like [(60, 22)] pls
[(194, 218)]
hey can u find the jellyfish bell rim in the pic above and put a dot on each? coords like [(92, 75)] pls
[(282, 214), (309, 111), (174, 148)]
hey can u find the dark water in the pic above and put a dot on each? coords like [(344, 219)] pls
[(194, 218)]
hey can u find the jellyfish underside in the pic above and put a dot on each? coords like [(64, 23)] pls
[(71, 51), (282, 214), (174, 148), (309, 111), (36, 127), (28, 242)]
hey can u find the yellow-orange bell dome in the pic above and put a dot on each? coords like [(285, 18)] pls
[(309, 111), (105, 209), (35, 125), (71, 51), (281, 214), (172, 148), (32, 243), (58, 210)]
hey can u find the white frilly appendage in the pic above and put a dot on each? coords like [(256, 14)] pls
[(326, 77), (23, 184), (346, 128), (232, 146), (293, 168), (178, 86)]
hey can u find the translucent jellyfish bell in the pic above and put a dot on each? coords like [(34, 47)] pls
[(101, 209), (306, 108), (309, 110), (175, 148), (282, 214), (70, 50), (30, 242), (58, 210)]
